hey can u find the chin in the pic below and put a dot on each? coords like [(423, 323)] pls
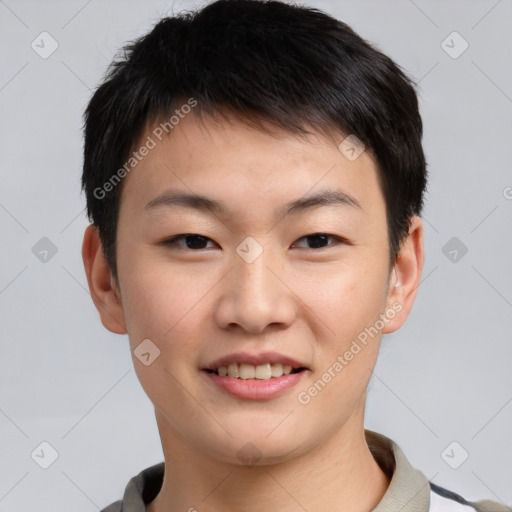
[(255, 447)]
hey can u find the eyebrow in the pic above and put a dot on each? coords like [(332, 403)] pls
[(171, 198)]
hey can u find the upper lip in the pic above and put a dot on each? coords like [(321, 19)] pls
[(254, 359)]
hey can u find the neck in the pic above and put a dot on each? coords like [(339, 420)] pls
[(339, 475)]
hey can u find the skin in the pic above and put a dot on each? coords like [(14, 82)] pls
[(309, 303)]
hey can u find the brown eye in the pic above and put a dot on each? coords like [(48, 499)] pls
[(320, 240), (192, 241)]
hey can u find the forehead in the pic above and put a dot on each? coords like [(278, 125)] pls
[(228, 166)]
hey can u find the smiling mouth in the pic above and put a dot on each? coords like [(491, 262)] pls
[(260, 372)]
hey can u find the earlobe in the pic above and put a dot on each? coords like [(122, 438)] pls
[(405, 276), (101, 283)]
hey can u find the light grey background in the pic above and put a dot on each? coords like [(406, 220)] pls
[(444, 377)]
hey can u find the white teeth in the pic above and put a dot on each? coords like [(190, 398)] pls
[(276, 369), (248, 371), (233, 371), (263, 371)]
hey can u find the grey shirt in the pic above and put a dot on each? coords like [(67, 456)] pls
[(409, 490)]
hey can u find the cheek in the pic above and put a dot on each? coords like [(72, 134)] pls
[(344, 299), (346, 346), (162, 307), (161, 304)]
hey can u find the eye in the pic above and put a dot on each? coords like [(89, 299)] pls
[(198, 242), (319, 240), (192, 241)]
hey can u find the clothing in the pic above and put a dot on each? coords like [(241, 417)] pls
[(408, 491)]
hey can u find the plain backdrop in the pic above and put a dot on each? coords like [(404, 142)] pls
[(442, 388)]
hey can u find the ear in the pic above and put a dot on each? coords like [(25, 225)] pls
[(102, 286), (405, 277)]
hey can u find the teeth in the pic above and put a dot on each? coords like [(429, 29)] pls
[(263, 371), (233, 371), (276, 369), (249, 371)]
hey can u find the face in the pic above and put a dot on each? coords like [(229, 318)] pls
[(254, 283)]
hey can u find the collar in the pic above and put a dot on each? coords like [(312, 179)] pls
[(408, 491)]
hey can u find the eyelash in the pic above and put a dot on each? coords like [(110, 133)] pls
[(173, 241)]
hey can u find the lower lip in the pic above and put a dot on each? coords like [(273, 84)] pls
[(254, 389)]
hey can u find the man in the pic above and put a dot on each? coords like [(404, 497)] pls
[(255, 177)]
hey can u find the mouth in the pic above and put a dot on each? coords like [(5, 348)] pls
[(255, 377), (263, 366), (264, 371)]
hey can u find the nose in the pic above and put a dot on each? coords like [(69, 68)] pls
[(256, 295)]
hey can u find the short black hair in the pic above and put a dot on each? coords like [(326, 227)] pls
[(269, 63)]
